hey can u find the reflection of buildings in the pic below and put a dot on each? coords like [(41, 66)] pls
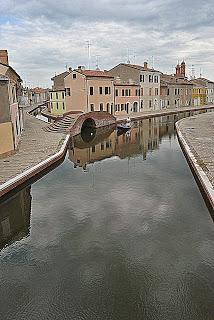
[(144, 137), (15, 217)]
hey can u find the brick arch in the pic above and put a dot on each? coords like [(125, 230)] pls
[(100, 118)]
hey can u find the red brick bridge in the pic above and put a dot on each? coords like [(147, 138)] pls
[(95, 119), (73, 124)]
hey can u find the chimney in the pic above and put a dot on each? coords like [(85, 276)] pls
[(70, 69), (81, 68), (4, 57), (145, 65)]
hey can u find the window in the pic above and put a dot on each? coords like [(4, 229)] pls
[(63, 95), (137, 92), (123, 92), (122, 107), (57, 95), (74, 76), (101, 106), (102, 146), (51, 95), (141, 91), (106, 90), (156, 91), (141, 104), (142, 78), (150, 103), (150, 91), (150, 78), (91, 91), (116, 92), (93, 149), (68, 91), (63, 106), (92, 107), (100, 90), (57, 105), (167, 92), (168, 102), (156, 79), (109, 90), (127, 92)]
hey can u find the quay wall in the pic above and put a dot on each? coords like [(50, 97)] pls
[(196, 138)]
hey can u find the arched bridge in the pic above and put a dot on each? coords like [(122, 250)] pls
[(95, 119), (74, 124)]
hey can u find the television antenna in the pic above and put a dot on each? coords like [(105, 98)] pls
[(89, 52)]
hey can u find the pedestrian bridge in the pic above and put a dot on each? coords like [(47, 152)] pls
[(74, 124), (95, 119)]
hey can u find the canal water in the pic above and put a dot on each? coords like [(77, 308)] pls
[(119, 230)]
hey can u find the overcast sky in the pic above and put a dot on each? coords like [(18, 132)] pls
[(43, 36)]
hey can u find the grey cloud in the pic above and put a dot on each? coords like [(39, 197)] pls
[(153, 14), (43, 36)]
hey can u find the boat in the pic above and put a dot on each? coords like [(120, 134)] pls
[(123, 127)]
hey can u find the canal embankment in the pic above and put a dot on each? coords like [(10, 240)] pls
[(43, 144), (37, 151), (196, 137), (162, 112)]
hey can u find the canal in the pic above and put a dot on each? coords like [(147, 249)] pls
[(119, 230)]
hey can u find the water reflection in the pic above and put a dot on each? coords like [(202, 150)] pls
[(15, 217), (145, 136)]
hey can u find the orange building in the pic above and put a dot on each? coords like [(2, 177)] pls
[(89, 90)]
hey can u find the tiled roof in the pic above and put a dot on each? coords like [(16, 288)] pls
[(198, 83), (18, 76), (95, 73), (39, 90), (61, 75), (138, 67), (170, 79)]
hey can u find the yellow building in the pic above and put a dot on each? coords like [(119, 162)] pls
[(57, 102), (199, 93)]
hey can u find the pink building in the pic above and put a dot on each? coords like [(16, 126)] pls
[(126, 97), (89, 90), (11, 114)]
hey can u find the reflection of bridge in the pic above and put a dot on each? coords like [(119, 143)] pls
[(73, 124), (146, 135)]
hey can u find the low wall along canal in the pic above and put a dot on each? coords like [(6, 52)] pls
[(119, 230)]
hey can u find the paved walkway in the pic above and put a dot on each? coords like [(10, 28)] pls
[(154, 113), (36, 145), (197, 137)]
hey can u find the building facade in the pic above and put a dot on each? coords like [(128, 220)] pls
[(175, 92), (199, 92), (148, 79), (57, 102), (11, 114), (126, 97), (89, 90)]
